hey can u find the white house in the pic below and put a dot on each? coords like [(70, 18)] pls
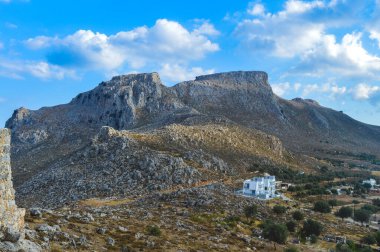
[(261, 187), (371, 181)]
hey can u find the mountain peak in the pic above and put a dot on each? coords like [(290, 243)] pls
[(136, 77), (235, 76)]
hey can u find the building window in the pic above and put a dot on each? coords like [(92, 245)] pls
[(246, 186)]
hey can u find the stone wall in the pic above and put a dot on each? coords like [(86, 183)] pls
[(11, 217)]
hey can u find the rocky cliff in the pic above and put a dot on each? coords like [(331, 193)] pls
[(162, 137), (11, 217)]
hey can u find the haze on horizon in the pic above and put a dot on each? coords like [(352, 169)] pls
[(323, 50)]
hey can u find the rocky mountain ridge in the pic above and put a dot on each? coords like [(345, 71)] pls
[(162, 137)]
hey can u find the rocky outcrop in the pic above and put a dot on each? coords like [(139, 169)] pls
[(11, 217), (59, 153)]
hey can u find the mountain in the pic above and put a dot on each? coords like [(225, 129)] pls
[(133, 135)]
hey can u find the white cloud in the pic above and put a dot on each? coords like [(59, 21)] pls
[(331, 89), (206, 29), (281, 88), (2, 100), (180, 73), (364, 91), (256, 9), (297, 7), (348, 58), (296, 33), (167, 42), (39, 69)]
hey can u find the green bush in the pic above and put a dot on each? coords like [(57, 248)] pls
[(278, 209), (291, 226), (369, 239), (312, 227), (291, 249), (250, 211), (322, 207), (153, 230), (298, 215), (344, 212), (275, 232), (362, 215)]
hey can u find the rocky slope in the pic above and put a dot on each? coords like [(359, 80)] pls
[(209, 129)]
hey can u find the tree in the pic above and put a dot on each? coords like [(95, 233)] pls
[(333, 202), (312, 227), (250, 211), (275, 232), (334, 191), (362, 215), (278, 209), (291, 226), (322, 207), (370, 208), (298, 215), (367, 186), (376, 202), (369, 239), (344, 212)]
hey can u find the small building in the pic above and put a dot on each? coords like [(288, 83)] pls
[(371, 181), (260, 187)]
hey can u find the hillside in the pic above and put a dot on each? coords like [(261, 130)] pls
[(133, 135)]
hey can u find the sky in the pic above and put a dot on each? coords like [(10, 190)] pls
[(326, 50)]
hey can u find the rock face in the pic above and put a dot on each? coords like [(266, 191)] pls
[(132, 135), (11, 217)]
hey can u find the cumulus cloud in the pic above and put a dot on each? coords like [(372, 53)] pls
[(167, 42), (296, 33), (363, 91), (281, 89), (256, 9), (330, 89), (39, 69), (180, 73)]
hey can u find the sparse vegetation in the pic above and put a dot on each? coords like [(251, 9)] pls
[(322, 207), (275, 232)]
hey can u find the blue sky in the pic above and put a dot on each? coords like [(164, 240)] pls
[(327, 50)]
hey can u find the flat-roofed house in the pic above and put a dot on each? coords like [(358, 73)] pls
[(260, 187)]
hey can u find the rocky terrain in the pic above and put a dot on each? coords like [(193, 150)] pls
[(11, 217), (133, 135), (135, 165)]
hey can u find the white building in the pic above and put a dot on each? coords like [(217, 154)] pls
[(261, 187), (371, 181)]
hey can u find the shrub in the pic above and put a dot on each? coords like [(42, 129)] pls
[(250, 211), (313, 239), (322, 207), (370, 208), (291, 226), (376, 202), (369, 239), (278, 209), (333, 202), (153, 230), (344, 212), (275, 232), (312, 227), (291, 249), (298, 215), (362, 215)]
